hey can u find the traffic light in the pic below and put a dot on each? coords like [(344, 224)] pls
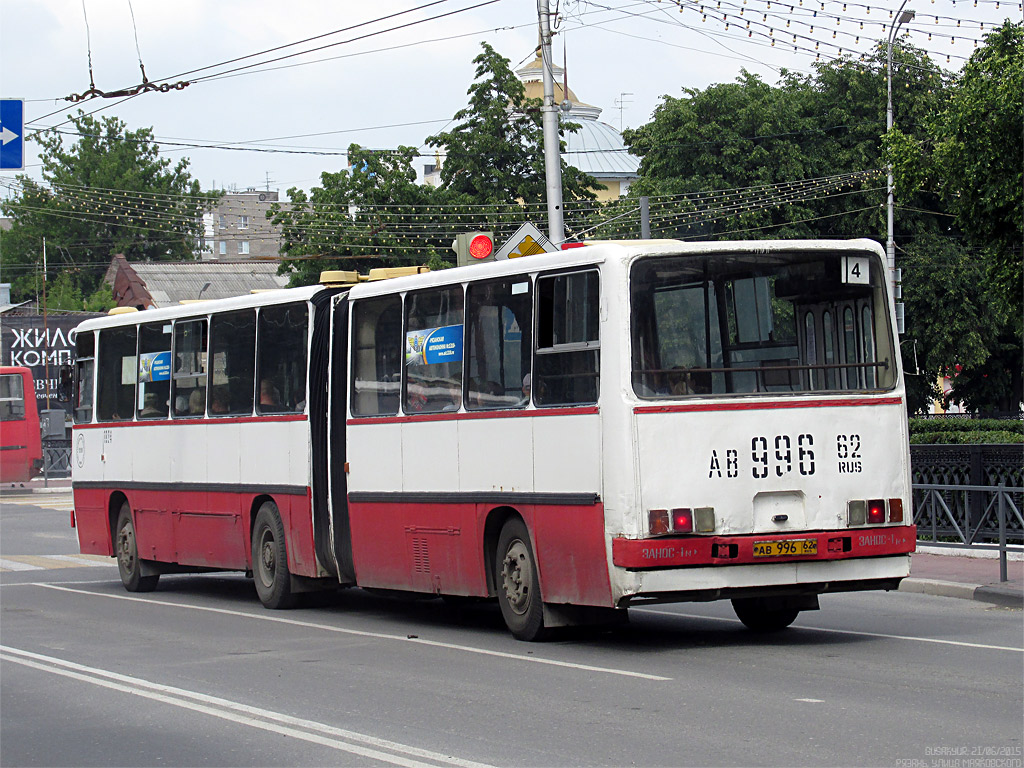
[(474, 247)]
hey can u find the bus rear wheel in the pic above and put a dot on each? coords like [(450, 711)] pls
[(517, 583), (270, 559), (127, 551), (764, 614)]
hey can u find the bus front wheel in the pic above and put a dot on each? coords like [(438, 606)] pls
[(127, 551), (270, 559), (517, 582), (765, 614)]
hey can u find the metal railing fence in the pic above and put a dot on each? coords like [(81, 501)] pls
[(945, 513)]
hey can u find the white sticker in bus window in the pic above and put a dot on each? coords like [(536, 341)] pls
[(856, 270), (434, 345), (128, 370), (518, 288)]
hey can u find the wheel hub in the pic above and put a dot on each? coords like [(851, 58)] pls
[(517, 576), (126, 548)]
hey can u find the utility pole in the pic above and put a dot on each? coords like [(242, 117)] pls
[(549, 113), (902, 17)]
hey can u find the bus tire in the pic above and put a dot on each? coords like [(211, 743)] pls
[(764, 614), (126, 549), (270, 559), (517, 582)]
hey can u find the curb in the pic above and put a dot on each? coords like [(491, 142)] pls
[(1007, 597), (7, 489)]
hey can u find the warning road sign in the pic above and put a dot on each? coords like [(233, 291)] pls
[(527, 241)]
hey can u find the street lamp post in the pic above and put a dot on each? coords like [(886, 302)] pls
[(902, 17)]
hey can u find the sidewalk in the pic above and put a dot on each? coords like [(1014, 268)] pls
[(951, 572)]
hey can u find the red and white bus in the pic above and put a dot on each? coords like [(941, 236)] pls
[(21, 447), (571, 433)]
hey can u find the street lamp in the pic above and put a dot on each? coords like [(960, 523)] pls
[(200, 294), (902, 17)]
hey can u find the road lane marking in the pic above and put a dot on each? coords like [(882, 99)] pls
[(307, 730), (363, 633), (958, 643)]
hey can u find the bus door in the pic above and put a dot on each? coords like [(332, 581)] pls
[(837, 332), (328, 382)]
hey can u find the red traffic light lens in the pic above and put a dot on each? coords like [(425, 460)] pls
[(480, 247)]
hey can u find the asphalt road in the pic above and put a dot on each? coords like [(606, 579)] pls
[(198, 673)]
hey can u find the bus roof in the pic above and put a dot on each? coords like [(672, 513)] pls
[(594, 252), (202, 308)]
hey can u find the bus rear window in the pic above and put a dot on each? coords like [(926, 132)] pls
[(12, 398), (720, 324)]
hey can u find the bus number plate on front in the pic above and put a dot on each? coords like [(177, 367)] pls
[(789, 547)]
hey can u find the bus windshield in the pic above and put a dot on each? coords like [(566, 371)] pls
[(745, 323)]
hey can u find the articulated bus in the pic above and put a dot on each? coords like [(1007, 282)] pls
[(572, 434), (21, 446)]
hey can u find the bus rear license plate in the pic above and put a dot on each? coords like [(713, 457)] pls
[(788, 547)]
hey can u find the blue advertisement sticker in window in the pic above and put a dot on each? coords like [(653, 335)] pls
[(155, 366), (434, 345)]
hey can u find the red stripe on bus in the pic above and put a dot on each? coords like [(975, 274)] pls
[(774, 405), (642, 554), (211, 420), (194, 528), (414, 418), (439, 547)]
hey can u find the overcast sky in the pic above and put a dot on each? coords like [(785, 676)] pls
[(400, 85)]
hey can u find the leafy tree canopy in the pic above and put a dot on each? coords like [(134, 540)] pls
[(495, 154), (107, 192)]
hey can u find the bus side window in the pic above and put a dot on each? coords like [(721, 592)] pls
[(377, 356), (567, 359), (281, 341), (85, 350), (188, 383), (498, 345), (232, 363), (117, 371), (154, 389), (433, 350)]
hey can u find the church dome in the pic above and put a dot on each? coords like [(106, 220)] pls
[(597, 147)]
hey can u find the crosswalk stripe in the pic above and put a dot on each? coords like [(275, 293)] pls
[(46, 562), (11, 565)]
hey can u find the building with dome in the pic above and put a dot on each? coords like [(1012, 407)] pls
[(596, 148)]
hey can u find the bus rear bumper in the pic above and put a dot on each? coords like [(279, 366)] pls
[(763, 549), (765, 580)]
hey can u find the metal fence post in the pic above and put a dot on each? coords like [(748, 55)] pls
[(1001, 513)]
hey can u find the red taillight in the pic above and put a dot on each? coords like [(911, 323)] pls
[(657, 520), (876, 511), (72, 518), (895, 510), (682, 520)]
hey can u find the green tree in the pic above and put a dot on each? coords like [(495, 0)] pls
[(746, 135), (107, 192), (963, 327), (978, 154), (495, 154), (371, 214)]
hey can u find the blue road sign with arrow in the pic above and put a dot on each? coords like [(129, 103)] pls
[(12, 130)]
